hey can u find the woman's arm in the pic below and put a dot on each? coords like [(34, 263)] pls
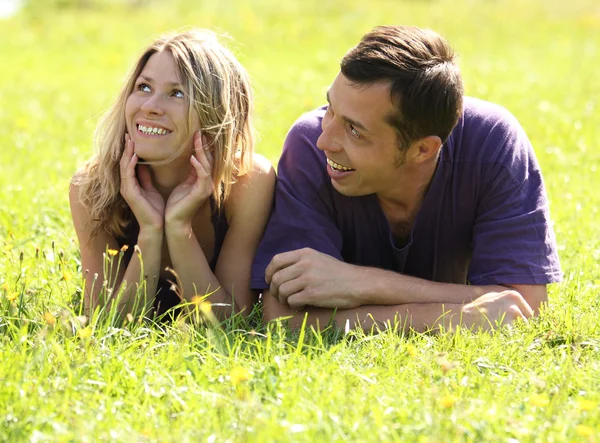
[(248, 210), (126, 278)]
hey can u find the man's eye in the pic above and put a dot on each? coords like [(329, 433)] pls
[(354, 132), (143, 87), (177, 93)]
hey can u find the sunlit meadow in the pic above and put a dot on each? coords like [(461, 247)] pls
[(65, 377)]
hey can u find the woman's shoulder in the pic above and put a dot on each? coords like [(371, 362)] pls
[(256, 185), (81, 176), (260, 169)]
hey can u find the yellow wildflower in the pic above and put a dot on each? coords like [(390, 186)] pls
[(197, 299), (113, 252), (583, 404), (584, 431), (85, 333), (540, 400), (411, 350), (66, 276), (448, 401), (12, 296), (5, 287), (206, 307), (49, 319), (239, 375), (124, 248)]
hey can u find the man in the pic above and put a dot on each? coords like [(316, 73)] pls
[(402, 201)]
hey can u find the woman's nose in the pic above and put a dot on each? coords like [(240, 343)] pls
[(152, 105)]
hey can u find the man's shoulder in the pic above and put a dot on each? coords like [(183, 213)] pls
[(308, 124), (487, 132), (480, 111), (300, 146)]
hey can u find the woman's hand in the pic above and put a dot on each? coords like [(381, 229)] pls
[(188, 196), (145, 201)]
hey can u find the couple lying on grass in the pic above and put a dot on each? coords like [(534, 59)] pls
[(400, 200)]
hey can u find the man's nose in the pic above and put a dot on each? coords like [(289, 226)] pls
[(328, 140)]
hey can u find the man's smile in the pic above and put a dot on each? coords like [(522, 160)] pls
[(337, 167)]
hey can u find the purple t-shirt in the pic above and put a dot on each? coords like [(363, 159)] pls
[(483, 221)]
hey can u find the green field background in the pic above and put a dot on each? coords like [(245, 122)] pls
[(61, 63)]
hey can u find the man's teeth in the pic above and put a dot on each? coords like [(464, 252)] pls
[(339, 167), (151, 130)]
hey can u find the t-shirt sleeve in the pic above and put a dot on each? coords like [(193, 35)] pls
[(513, 239), (303, 212)]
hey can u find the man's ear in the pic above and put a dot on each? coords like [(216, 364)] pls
[(425, 148)]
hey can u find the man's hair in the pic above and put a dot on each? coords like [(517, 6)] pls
[(426, 85)]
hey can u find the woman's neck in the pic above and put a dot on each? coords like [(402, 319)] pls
[(167, 177)]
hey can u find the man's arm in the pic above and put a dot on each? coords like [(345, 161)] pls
[(309, 278), (486, 312)]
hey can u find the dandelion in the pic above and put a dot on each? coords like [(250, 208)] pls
[(411, 350), (112, 252), (49, 319), (583, 404), (196, 299), (12, 296), (5, 287), (206, 307), (239, 375), (448, 401), (584, 430), (539, 400), (85, 333), (124, 248), (67, 276)]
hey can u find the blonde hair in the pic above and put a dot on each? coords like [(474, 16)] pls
[(217, 88)]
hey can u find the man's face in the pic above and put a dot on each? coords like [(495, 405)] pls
[(363, 154)]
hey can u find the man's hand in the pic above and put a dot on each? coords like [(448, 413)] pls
[(495, 309), (305, 277)]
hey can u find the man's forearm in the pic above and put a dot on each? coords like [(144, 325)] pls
[(381, 287), (417, 316)]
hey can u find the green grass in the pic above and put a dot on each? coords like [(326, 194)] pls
[(61, 66)]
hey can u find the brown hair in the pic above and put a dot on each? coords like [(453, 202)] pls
[(426, 86)]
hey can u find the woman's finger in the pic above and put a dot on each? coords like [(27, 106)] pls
[(201, 151), (144, 178), (126, 156)]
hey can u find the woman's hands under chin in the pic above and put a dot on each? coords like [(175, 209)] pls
[(146, 203), (192, 193)]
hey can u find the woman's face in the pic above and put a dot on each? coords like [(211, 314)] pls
[(156, 112)]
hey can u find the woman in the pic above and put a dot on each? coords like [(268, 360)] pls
[(174, 173)]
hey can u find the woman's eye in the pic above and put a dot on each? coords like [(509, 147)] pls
[(143, 87), (177, 93), (354, 132)]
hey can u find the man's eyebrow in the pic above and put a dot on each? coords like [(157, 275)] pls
[(348, 119), (150, 80)]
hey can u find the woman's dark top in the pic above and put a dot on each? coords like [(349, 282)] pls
[(165, 297)]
